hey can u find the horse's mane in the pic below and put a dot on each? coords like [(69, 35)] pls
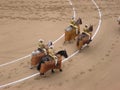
[(62, 53), (59, 52)]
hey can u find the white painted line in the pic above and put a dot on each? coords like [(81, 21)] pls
[(59, 38), (100, 16), (23, 79), (15, 60), (74, 13), (70, 2), (1, 65), (27, 55)]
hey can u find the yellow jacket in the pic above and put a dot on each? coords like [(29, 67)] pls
[(41, 45), (51, 52), (86, 31)]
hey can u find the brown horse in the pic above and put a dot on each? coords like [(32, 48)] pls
[(84, 39), (47, 63), (36, 57), (71, 32)]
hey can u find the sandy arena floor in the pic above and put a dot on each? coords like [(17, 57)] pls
[(24, 22)]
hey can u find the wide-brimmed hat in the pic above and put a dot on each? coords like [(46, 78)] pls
[(86, 25), (41, 40)]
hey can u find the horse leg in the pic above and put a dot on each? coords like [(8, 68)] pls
[(31, 66), (64, 43), (42, 74), (52, 71), (60, 70)]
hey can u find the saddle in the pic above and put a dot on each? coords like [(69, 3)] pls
[(69, 28)]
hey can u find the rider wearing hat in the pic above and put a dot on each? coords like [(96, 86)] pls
[(86, 30), (41, 44), (51, 52), (72, 23)]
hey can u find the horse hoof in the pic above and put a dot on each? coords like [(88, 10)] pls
[(61, 70), (64, 43), (41, 73), (31, 67), (52, 71)]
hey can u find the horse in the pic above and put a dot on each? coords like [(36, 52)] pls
[(83, 38), (36, 57), (48, 63), (71, 32)]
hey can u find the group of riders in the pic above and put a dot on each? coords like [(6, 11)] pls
[(85, 29), (48, 48)]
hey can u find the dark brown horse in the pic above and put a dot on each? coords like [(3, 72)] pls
[(83, 38), (47, 63), (71, 32)]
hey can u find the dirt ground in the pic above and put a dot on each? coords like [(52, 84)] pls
[(24, 22)]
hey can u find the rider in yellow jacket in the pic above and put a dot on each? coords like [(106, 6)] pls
[(51, 52), (72, 23), (86, 31), (41, 45)]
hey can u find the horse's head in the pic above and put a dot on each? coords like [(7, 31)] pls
[(62, 53), (79, 21), (91, 28)]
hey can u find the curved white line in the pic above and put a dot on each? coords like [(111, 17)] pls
[(23, 79), (100, 18), (15, 60), (74, 15)]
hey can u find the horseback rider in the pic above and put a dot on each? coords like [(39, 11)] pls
[(51, 52), (72, 24), (41, 46), (87, 32)]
